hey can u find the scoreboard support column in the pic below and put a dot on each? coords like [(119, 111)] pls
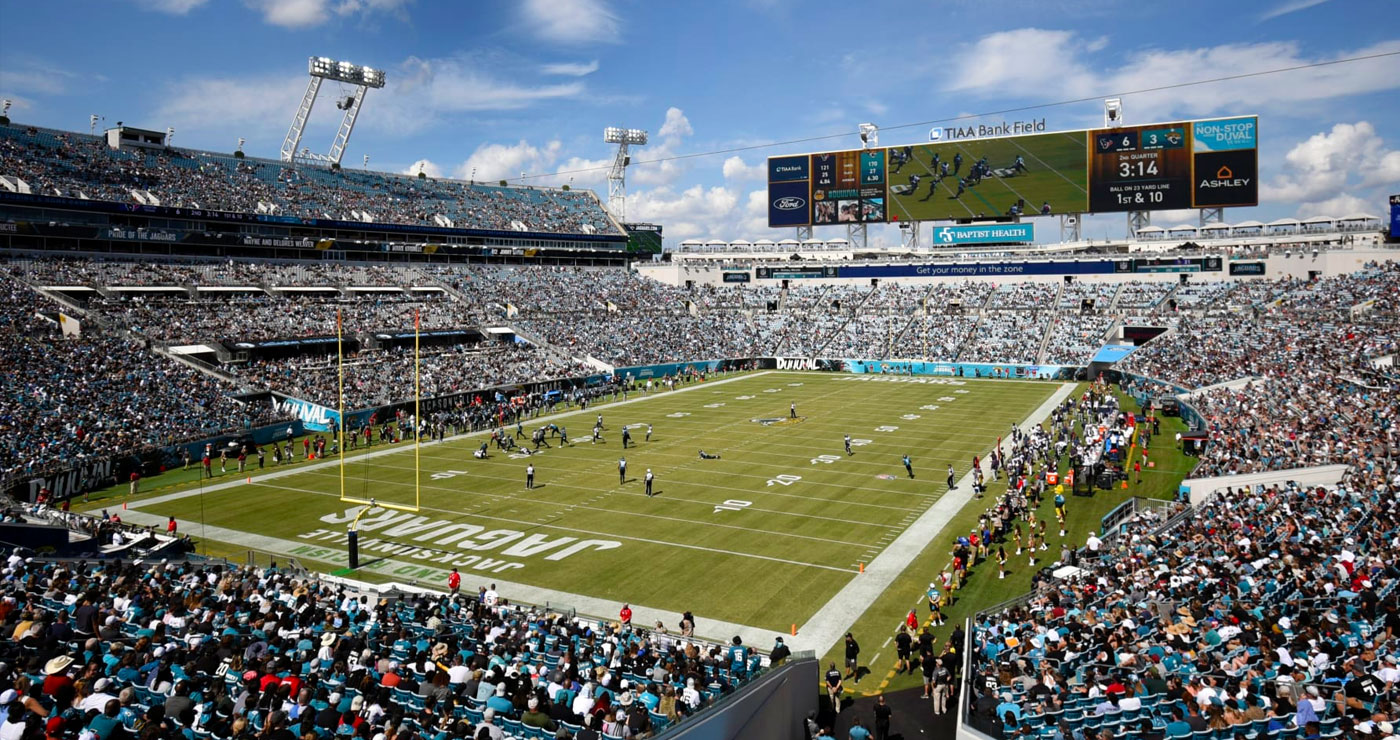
[(909, 234), (1212, 216), (1070, 226), (855, 236), (1138, 220), (804, 233)]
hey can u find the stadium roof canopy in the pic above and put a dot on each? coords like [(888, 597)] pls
[(1184, 227), (1249, 225), (1151, 230), (1359, 217), (1217, 227), (1319, 220)]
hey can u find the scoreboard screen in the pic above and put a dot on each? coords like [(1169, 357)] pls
[(1209, 163), (1189, 164), (848, 187), (1139, 168)]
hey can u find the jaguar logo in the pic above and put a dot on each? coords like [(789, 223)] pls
[(789, 203)]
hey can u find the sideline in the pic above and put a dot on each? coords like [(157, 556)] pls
[(831, 622)]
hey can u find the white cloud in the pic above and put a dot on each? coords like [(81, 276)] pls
[(736, 169), (292, 13), (676, 125), (1028, 58), (1330, 172), (656, 163), (212, 104), (309, 13), (33, 76), (1292, 6), (581, 171), (426, 166), (173, 7), (506, 161), (422, 93), (570, 69), (1338, 206), (1321, 165), (1061, 65), (571, 21), (456, 85)]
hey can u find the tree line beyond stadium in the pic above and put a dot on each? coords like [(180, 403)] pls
[(1185, 164)]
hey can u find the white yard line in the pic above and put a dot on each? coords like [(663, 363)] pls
[(835, 618), (586, 605), (335, 462)]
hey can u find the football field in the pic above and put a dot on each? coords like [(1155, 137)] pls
[(762, 537)]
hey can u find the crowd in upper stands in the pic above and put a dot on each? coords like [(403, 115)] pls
[(64, 400), (116, 649), (385, 377), (80, 166)]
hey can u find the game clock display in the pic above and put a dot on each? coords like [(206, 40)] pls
[(1141, 168)]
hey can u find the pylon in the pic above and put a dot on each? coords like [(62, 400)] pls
[(1125, 483), (794, 630), (250, 479), (123, 506), (862, 567)]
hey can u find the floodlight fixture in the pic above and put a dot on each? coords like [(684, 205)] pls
[(325, 68), (1113, 112), (617, 176), (869, 135), (619, 135)]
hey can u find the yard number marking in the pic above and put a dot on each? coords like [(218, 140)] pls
[(732, 505)]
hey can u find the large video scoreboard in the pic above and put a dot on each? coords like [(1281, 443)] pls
[(1185, 164)]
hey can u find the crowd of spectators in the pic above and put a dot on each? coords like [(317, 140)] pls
[(1267, 612), (1077, 292), (629, 339), (1142, 294), (200, 650), (1075, 337), (1024, 295), (81, 166), (384, 377), (1007, 336), (64, 400), (256, 317)]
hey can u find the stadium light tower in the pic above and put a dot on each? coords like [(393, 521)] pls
[(617, 177), (325, 68)]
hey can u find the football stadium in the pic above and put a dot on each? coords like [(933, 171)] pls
[(298, 447)]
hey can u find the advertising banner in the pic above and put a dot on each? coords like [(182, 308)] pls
[(1111, 353), (979, 269), (959, 369), (313, 416), (988, 234)]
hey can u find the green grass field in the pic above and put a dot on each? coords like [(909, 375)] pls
[(763, 537), (1056, 172)]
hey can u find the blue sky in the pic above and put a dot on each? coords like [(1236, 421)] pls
[(506, 87)]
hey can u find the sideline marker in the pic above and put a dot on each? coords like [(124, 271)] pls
[(794, 630)]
